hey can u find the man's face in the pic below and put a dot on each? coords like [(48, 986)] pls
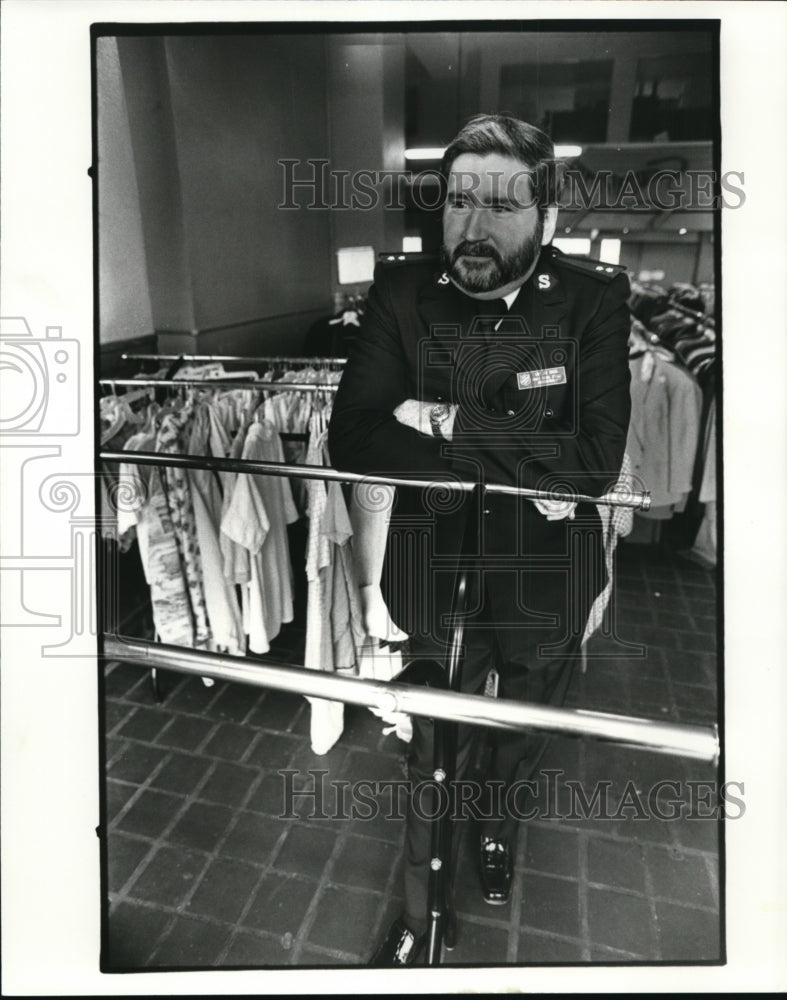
[(492, 231)]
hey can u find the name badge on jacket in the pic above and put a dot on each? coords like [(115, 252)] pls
[(541, 377)]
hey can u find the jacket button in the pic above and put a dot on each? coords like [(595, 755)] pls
[(439, 399), (510, 412), (486, 510), (548, 413)]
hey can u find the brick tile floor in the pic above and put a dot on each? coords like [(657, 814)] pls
[(207, 867)]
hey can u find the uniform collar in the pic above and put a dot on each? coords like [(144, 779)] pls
[(539, 302)]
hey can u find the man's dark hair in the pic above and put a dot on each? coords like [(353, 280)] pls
[(484, 134)]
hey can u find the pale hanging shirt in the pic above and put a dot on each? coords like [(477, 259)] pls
[(224, 614), (327, 717), (143, 504), (256, 518)]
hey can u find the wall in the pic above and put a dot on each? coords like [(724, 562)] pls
[(209, 118), (366, 102), (156, 169), (124, 298), (239, 105)]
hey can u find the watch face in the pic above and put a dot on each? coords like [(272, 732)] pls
[(440, 412)]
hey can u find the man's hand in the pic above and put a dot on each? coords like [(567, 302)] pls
[(556, 510), (415, 414)]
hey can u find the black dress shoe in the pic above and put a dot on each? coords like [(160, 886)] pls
[(495, 870), (401, 946)]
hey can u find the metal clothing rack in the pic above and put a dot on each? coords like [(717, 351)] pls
[(225, 383), (444, 703), (620, 498), (273, 359), (441, 700)]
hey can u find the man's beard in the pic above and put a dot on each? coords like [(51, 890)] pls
[(497, 271)]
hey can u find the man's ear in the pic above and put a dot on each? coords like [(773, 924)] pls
[(550, 222)]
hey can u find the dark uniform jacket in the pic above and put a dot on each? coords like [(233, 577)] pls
[(543, 403)]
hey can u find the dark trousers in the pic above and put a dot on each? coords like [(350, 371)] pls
[(514, 754)]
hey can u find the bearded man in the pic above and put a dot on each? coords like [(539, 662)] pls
[(508, 365)]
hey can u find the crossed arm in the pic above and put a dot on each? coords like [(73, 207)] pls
[(414, 413), (378, 426)]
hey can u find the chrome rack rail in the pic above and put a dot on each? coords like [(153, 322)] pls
[(225, 383), (441, 700), (696, 742), (637, 500), (274, 359)]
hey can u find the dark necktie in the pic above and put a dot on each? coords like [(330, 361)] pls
[(474, 362), (489, 315)]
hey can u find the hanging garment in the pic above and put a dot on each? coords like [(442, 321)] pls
[(256, 519), (207, 371), (381, 655), (224, 614), (687, 295), (289, 412), (708, 484), (370, 515), (118, 423), (616, 522), (171, 438), (236, 559), (142, 505), (646, 301), (697, 350), (134, 489), (343, 599), (705, 544), (334, 626), (666, 407), (327, 717), (671, 325)]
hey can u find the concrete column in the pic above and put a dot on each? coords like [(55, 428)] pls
[(621, 97), (366, 123)]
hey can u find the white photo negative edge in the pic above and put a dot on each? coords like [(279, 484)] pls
[(50, 852)]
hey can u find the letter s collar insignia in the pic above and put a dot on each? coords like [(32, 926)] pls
[(443, 279), (544, 282)]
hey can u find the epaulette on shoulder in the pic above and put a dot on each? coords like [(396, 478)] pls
[(586, 265)]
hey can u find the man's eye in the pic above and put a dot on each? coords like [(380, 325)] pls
[(459, 202)]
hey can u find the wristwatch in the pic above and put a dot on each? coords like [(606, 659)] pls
[(437, 417)]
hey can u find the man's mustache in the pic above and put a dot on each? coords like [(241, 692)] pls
[(475, 250)]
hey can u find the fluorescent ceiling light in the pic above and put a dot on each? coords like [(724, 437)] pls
[(424, 153), (567, 150)]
